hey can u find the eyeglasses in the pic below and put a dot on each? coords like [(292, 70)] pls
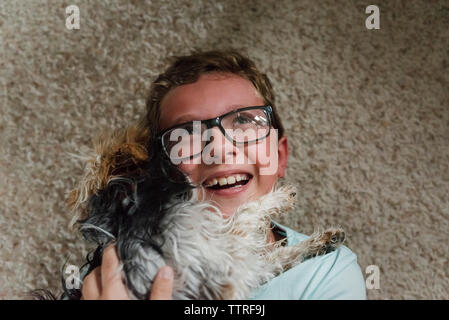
[(241, 127)]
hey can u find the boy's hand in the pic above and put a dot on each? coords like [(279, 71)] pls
[(105, 282)]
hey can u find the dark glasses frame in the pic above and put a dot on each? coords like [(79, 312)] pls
[(216, 122)]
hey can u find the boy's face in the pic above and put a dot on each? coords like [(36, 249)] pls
[(211, 96)]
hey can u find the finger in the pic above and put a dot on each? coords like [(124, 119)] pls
[(111, 278), (163, 284), (91, 289)]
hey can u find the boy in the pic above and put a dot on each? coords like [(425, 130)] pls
[(205, 86)]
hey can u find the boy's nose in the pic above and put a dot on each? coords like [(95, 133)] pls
[(219, 148)]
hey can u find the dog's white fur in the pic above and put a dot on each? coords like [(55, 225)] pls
[(213, 257), (217, 257)]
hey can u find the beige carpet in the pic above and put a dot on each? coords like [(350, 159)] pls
[(366, 113)]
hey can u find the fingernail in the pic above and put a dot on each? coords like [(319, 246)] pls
[(167, 273)]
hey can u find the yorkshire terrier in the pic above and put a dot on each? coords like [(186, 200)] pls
[(133, 196)]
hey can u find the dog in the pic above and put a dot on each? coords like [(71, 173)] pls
[(132, 195)]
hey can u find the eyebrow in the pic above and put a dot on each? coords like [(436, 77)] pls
[(191, 117)]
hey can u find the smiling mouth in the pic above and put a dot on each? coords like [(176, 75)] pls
[(228, 182)]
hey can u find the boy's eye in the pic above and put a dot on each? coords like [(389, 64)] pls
[(189, 129), (242, 119)]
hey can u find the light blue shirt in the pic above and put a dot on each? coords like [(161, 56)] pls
[(335, 275)]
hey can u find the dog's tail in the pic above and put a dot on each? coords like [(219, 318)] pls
[(93, 259)]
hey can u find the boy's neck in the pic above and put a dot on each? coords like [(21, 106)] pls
[(274, 236)]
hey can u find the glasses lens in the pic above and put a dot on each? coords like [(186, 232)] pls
[(247, 125), (183, 142)]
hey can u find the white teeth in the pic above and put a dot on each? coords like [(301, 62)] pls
[(226, 180), (231, 180)]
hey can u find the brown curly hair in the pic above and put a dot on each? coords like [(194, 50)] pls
[(188, 69)]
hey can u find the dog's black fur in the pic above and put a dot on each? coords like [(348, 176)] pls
[(130, 208)]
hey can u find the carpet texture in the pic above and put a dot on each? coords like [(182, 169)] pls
[(366, 113)]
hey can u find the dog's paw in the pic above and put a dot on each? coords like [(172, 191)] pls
[(285, 197), (321, 243), (332, 238), (289, 190)]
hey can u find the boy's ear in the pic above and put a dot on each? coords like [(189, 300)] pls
[(282, 156)]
